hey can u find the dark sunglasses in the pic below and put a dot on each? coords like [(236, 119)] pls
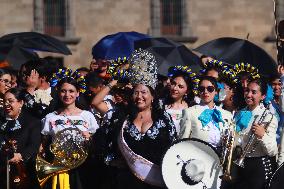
[(210, 89)]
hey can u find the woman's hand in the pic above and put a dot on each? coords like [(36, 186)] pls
[(17, 158), (32, 81), (258, 130), (86, 134)]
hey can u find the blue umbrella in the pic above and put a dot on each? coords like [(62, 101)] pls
[(116, 45)]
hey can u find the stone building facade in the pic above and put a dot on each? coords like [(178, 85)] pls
[(89, 20)]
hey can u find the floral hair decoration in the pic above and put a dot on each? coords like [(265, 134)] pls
[(247, 68), (187, 71), (115, 64), (67, 72), (219, 65), (118, 69), (230, 76)]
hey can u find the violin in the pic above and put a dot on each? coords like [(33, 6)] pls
[(17, 174)]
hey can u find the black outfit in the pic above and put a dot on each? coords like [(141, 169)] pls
[(256, 173), (41, 110), (25, 130), (152, 146)]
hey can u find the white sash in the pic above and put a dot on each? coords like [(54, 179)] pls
[(142, 168)]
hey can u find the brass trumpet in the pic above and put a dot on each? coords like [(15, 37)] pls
[(227, 151), (251, 141)]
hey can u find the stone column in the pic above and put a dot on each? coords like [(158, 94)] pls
[(70, 18), (279, 10), (38, 16), (155, 18), (185, 26)]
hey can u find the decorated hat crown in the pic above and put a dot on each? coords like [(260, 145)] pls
[(143, 68)]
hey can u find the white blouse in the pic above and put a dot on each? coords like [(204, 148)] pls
[(191, 126), (53, 122), (176, 116)]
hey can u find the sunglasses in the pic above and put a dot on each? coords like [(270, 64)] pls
[(210, 89)]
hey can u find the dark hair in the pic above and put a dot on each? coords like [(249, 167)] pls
[(261, 83), (84, 69), (274, 77), (80, 101), (189, 84), (19, 93), (210, 69), (70, 81), (3, 72), (156, 109), (43, 68), (29, 66), (53, 64), (211, 79), (93, 80)]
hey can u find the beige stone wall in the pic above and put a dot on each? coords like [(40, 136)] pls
[(15, 16), (232, 18), (96, 18)]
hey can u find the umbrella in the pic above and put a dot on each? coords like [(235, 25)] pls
[(18, 48), (234, 51), (18, 56), (116, 45), (169, 53), (33, 41)]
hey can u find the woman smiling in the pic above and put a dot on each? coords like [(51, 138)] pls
[(259, 161), (21, 133)]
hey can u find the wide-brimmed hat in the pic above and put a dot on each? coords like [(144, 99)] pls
[(191, 164)]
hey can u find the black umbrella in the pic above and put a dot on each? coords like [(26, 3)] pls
[(234, 51), (34, 41), (16, 48), (18, 56), (169, 53)]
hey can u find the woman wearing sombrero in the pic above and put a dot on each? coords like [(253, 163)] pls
[(142, 132)]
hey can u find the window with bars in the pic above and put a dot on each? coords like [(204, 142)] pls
[(54, 17), (171, 17)]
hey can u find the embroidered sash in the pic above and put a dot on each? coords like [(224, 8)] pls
[(142, 168)]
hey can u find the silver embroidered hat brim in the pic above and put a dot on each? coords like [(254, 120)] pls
[(191, 149)]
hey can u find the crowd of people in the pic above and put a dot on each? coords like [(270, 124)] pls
[(129, 116)]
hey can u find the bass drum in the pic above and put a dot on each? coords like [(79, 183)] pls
[(191, 164), (277, 181)]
